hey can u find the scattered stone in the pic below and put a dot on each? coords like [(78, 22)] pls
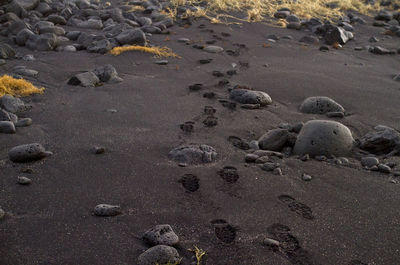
[(380, 50), (320, 105), (324, 48), (107, 73), (270, 166), (384, 168), (293, 25), (133, 36), (337, 35), (213, 49), (6, 52), (396, 78), (161, 62), (373, 39), (27, 152), (90, 24), (305, 157), (98, 150), (24, 181), (250, 158), (13, 104), (322, 137), (159, 255), (369, 161), (107, 210), (254, 145), (277, 171), (245, 96), (86, 79), (382, 140), (24, 122), (321, 158), (273, 140), (193, 154), (309, 39), (7, 127), (161, 235), (100, 46), (269, 242), (306, 177), (262, 160)]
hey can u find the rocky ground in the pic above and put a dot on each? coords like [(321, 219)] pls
[(258, 145)]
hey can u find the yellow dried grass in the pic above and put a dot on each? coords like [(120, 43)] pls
[(17, 87), (157, 51)]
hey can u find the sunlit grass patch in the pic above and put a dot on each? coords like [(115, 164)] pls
[(17, 87), (259, 10), (199, 253), (157, 51)]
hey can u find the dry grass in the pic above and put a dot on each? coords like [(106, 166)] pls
[(259, 10), (17, 87), (199, 253), (159, 52)]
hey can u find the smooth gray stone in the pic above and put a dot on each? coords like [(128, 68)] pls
[(7, 127), (161, 235), (27, 152), (159, 255), (320, 105)]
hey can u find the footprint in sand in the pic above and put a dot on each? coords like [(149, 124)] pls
[(239, 143), (229, 174), (187, 126), (190, 182), (289, 246), (297, 207), (224, 231)]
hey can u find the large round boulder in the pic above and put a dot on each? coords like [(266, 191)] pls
[(322, 137), (160, 254), (382, 140), (320, 105)]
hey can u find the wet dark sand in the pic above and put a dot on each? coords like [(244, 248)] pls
[(356, 212)]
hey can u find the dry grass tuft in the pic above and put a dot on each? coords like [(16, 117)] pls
[(159, 52), (17, 87), (199, 253), (259, 10)]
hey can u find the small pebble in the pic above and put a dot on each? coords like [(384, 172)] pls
[(306, 177), (99, 150), (2, 213), (384, 168), (271, 242), (161, 62), (24, 180), (277, 171)]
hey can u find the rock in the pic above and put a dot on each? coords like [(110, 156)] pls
[(2, 62), (369, 161), (107, 73), (161, 235), (161, 62), (270, 166), (396, 78), (337, 35), (23, 36), (86, 79), (271, 242), (24, 180), (28, 58), (296, 128), (69, 48), (6, 52), (306, 177), (292, 18), (24, 122), (245, 96), (13, 104), (322, 137), (90, 24), (159, 255), (7, 127), (380, 50), (373, 39), (213, 49), (132, 36), (384, 168), (28, 5), (98, 150), (254, 145), (262, 160), (42, 42), (23, 71), (277, 171), (384, 15), (56, 19), (274, 140), (324, 48), (193, 154), (293, 25), (309, 39), (282, 14), (382, 140), (107, 210), (268, 153), (53, 29), (250, 158), (27, 152), (43, 8), (100, 46), (320, 105)]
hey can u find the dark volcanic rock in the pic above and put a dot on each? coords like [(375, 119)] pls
[(382, 140), (159, 255), (161, 235), (86, 79), (27, 152), (107, 210), (193, 154), (337, 35), (6, 52), (274, 140), (132, 36), (245, 96)]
